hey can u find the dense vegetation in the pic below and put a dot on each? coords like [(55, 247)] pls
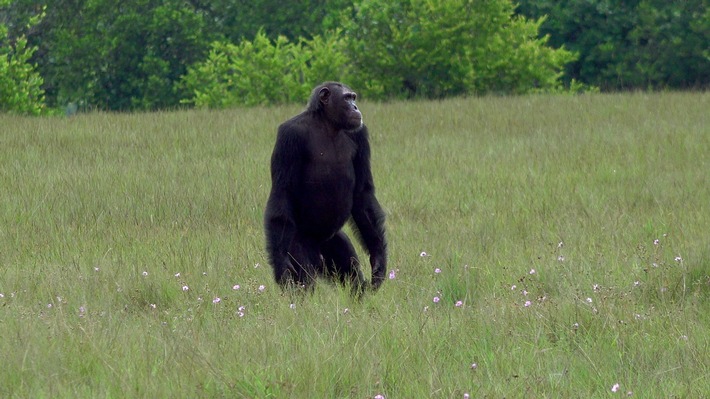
[(20, 84), (158, 54), (540, 246), (638, 44)]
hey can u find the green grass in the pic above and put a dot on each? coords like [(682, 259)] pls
[(576, 188)]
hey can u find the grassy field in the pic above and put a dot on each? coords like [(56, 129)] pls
[(544, 246)]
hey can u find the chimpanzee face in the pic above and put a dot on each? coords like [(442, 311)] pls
[(351, 114), (339, 104)]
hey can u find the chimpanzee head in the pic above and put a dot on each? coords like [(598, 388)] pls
[(336, 103)]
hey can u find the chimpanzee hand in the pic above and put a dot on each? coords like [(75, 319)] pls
[(379, 268)]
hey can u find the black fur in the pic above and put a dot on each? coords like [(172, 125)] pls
[(320, 179)]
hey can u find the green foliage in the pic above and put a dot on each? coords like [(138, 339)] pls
[(125, 55), (263, 71), (20, 83), (296, 19), (452, 47), (173, 38), (133, 54), (640, 44), (119, 55)]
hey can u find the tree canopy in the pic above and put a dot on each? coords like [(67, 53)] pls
[(158, 54)]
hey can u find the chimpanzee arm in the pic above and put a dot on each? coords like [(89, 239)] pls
[(279, 218), (367, 214)]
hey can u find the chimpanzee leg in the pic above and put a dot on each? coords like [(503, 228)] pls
[(341, 261), (305, 261)]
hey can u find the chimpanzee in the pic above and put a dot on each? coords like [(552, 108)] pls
[(320, 179)]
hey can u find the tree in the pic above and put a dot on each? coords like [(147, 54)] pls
[(434, 49), (116, 54), (630, 44), (20, 84), (295, 19), (263, 71)]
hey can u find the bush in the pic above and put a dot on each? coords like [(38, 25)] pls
[(644, 44), (420, 48), (413, 48), (263, 72), (117, 55), (20, 84)]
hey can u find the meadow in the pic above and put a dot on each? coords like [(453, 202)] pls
[(540, 246)]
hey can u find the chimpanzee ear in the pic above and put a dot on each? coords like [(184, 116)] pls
[(324, 95)]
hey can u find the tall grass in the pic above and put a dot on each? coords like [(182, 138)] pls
[(543, 246)]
